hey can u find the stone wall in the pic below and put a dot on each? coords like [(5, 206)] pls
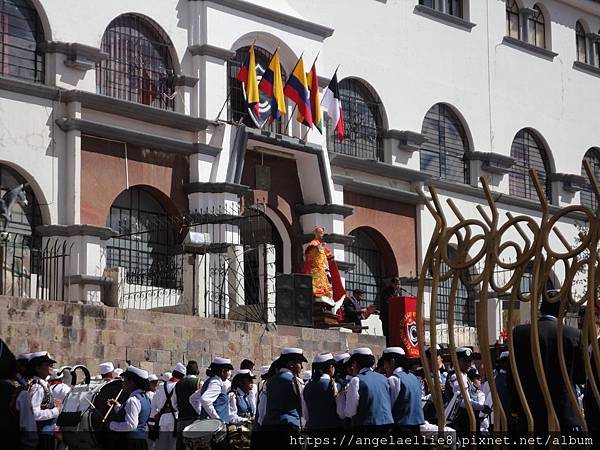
[(89, 334)]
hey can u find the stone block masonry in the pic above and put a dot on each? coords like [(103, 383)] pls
[(89, 334)]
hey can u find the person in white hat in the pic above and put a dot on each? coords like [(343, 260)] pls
[(164, 409), (107, 371), (118, 372), (211, 401), (266, 372), (241, 401), (45, 408), (153, 382), (342, 377), (319, 405), (136, 408), (284, 393), (57, 387), (501, 381), (368, 394), (405, 392), (22, 377), (20, 429), (186, 414)]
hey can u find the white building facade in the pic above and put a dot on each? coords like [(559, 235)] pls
[(125, 120)]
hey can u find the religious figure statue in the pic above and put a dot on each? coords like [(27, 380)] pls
[(319, 262), (8, 200)]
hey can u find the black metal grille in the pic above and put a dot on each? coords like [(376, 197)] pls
[(146, 244), (367, 273), (443, 154), (581, 42), (452, 7), (587, 196), (238, 107), (529, 153), (21, 34), (139, 67), (363, 130), (513, 19), (537, 28), (464, 312)]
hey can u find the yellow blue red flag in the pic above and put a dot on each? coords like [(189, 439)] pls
[(296, 89)]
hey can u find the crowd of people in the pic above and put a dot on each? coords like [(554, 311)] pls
[(349, 391)]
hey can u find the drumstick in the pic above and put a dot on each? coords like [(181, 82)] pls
[(111, 407), (93, 407)]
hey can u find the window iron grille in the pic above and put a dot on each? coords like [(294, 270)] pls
[(581, 43), (363, 129), (587, 196), (537, 28), (139, 67), (513, 19), (21, 34), (529, 153)]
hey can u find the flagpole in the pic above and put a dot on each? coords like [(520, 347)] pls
[(290, 119), (229, 90)]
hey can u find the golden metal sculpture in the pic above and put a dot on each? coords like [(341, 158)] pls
[(481, 243)]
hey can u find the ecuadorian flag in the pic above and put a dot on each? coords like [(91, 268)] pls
[(247, 75), (296, 89), (272, 85)]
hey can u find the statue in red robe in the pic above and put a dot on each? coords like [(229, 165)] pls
[(319, 262)]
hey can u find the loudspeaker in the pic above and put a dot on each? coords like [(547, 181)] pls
[(293, 300)]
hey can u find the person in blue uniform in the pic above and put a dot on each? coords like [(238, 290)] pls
[(242, 407), (211, 400), (367, 395), (319, 396), (132, 418), (342, 378), (45, 408), (405, 392)]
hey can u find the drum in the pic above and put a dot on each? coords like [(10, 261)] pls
[(205, 434), (240, 436), (81, 424)]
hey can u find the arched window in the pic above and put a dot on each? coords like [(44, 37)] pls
[(464, 309), (146, 240), (263, 246), (139, 67), (529, 153), (537, 28), (21, 34), (367, 273), (513, 19), (443, 154), (581, 42), (238, 107), (452, 7), (587, 196), (363, 128), (24, 219)]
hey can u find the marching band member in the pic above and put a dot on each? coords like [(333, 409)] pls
[(241, 401), (132, 418), (107, 371), (342, 378), (45, 408), (319, 395), (249, 365), (164, 409), (405, 391), (266, 372), (118, 372), (153, 383), (22, 360), (57, 387), (186, 414), (19, 430), (284, 393), (306, 376), (368, 393), (211, 400)]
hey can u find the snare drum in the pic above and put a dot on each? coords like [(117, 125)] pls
[(205, 434)]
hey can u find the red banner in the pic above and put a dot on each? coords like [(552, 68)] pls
[(403, 324)]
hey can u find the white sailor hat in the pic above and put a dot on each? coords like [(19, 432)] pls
[(504, 354), (340, 357), (225, 362), (106, 367), (56, 375), (23, 357), (264, 369), (361, 351), (306, 375), (392, 352), (180, 368), (292, 353), (244, 373), (428, 348), (166, 376), (152, 377), (465, 352), (40, 357), (139, 372), (118, 371), (323, 358)]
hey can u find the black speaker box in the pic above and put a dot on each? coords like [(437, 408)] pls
[(293, 300)]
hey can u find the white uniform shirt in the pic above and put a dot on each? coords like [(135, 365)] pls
[(205, 401), (233, 411), (352, 397), (395, 385), (37, 395), (167, 421), (340, 400), (132, 413), (60, 391), (150, 395), (262, 403), (477, 399)]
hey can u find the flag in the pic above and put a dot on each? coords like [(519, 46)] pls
[(272, 85), (247, 75), (315, 104), (296, 89), (333, 105)]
